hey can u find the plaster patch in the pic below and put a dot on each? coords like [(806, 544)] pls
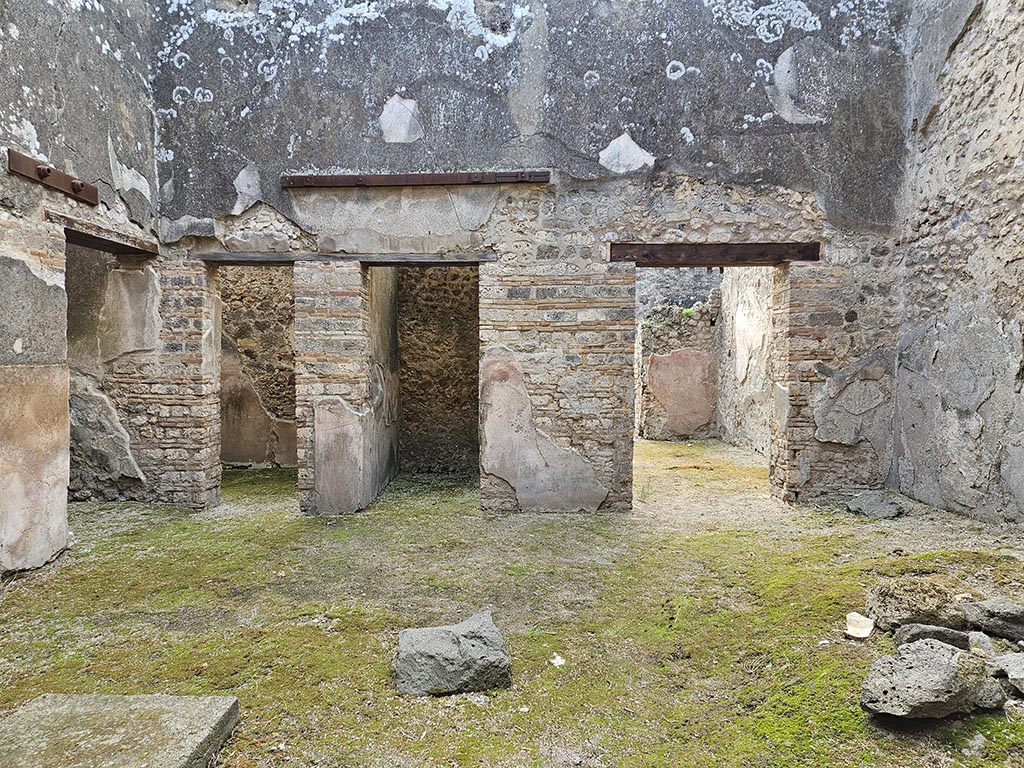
[(400, 121), (247, 185), (125, 178), (544, 476), (623, 155)]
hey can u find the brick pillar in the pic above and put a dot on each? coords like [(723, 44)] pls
[(557, 329), (172, 404), (331, 359)]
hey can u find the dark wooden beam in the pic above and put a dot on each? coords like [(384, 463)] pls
[(714, 254), (371, 259), (89, 235), (308, 180), (43, 173)]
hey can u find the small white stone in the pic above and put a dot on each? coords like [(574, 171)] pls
[(557, 661), (400, 121), (623, 155), (19, 346)]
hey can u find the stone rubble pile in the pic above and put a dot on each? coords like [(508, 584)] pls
[(956, 651)]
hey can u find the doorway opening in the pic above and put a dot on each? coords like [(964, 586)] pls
[(712, 357), (113, 335), (438, 332), (257, 367)]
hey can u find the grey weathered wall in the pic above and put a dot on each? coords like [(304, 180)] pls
[(258, 366), (959, 413), (74, 90), (808, 95), (745, 375), (439, 343)]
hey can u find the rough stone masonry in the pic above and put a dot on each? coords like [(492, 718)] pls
[(867, 126)]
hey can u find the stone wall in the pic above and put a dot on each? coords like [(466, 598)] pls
[(666, 287), (960, 360), (113, 323), (439, 342), (677, 359), (95, 122), (745, 384), (258, 366)]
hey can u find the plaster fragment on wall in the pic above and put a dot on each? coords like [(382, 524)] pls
[(400, 121), (25, 132), (125, 178), (623, 155), (796, 93), (247, 185)]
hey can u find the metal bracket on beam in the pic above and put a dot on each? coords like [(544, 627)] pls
[(45, 174), (305, 181)]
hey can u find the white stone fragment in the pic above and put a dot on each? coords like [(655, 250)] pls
[(400, 121), (623, 155)]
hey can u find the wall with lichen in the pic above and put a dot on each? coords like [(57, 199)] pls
[(959, 414), (807, 94), (439, 349)]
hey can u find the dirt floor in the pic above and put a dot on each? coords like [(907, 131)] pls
[(703, 629)]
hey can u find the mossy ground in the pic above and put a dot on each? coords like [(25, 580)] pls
[(704, 629)]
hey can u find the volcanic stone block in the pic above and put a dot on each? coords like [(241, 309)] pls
[(997, 617), (914, 600), (911, 633), (92, 731), (929, 679), (471, 656)]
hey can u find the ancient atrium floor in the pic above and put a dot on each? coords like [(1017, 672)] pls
[(703, 629)]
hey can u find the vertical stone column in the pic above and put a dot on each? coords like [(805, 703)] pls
[(783, 467), (34, 421), (345, 384)]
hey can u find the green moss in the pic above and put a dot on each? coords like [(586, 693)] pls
[(681, 648)]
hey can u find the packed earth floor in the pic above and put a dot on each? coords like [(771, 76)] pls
[(703, 629)]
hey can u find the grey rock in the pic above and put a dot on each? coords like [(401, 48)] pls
[(91, 731), (914, 600), (460, 658), (911, 633), (1012, 664), (880, 505), (929, 679), (997, 617), (982, 644)]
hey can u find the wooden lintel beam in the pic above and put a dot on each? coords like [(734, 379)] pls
[(714, 254), (372, 259), (90, 235), (311, 180)]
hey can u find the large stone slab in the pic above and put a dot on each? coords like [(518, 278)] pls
[(93, 731), (459, 658), (130, 319), (34, 465), (1002, 618), (544, 476)]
